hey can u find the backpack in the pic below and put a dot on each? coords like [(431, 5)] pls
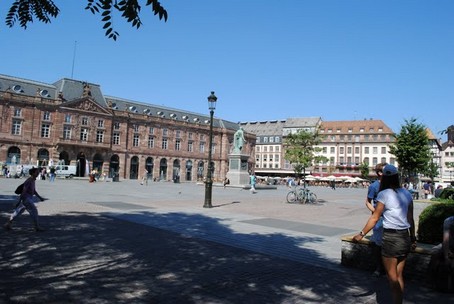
[(19, 189)]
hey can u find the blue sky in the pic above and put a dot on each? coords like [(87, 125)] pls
[(265, 59)]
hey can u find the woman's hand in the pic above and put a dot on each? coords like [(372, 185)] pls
[(358, 237)]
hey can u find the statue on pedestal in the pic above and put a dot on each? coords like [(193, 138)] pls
[(238, 141)]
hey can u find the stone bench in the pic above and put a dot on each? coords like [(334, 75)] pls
[(359, 255)]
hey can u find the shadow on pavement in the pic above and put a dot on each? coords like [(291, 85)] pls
[(86, 258)]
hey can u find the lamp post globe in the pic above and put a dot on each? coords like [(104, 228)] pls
[(209, 181)]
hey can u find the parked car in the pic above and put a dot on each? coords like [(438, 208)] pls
[(65, 171)]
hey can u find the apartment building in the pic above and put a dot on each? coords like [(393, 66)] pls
[(270, 149), (347, 144), (447, 157), (73, 122), (435, 151)]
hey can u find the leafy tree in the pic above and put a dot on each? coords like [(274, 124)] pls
[(411, 149), (43, 10), (364, 169), (431, 171), (300, 149)]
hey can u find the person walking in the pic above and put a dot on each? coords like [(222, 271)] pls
[(377, 234), (145, 177), (395, 204), (427, 189), (52, 174), (27, 201), (253, 179)]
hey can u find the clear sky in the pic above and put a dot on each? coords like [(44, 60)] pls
[(265, 59)]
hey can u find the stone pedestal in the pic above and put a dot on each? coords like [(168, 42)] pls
[(238, 173)]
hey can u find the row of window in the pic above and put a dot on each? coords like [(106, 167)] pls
[(267, 157), (357, 138), (271, 166), (267, 148), (85, 121), (350, 130), (268, 139), (349, 150), (164, 143), (100, 134)]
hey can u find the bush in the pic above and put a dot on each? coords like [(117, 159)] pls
[(447, 193), (430, 227)]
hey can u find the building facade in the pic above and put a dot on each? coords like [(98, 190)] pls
[(72, 122), (270, 148), (447, 157), (348, 144)]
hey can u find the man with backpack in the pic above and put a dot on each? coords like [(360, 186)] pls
[(27, 201)]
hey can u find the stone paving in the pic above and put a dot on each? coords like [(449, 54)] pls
[(126, 243)]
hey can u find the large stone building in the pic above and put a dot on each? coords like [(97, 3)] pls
[(72, 122), (346, 144), (269, 148)]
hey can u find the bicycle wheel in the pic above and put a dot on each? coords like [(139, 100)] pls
[(291, 197), (302, 197), (312, 198)]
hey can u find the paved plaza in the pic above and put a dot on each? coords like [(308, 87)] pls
[(124, 242)]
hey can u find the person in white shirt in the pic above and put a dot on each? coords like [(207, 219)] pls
[(395, 204)]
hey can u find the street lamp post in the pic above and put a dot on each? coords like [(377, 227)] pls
[(209, 182)]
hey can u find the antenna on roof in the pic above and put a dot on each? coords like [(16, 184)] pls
[(74, 59)]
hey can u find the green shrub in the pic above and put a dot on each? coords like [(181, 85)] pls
[(430, 227), (447, 193)]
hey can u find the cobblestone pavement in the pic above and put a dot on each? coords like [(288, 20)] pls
[(126, 243)]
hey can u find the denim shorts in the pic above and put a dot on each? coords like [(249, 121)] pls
[(396, 243)]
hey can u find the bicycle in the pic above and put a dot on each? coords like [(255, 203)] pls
[(301, 195)]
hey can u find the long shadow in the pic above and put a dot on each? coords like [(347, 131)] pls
[(226, 204), (87, 258)]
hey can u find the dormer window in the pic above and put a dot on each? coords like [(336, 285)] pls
[(132, 109), (18, 89), (44, 93)]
